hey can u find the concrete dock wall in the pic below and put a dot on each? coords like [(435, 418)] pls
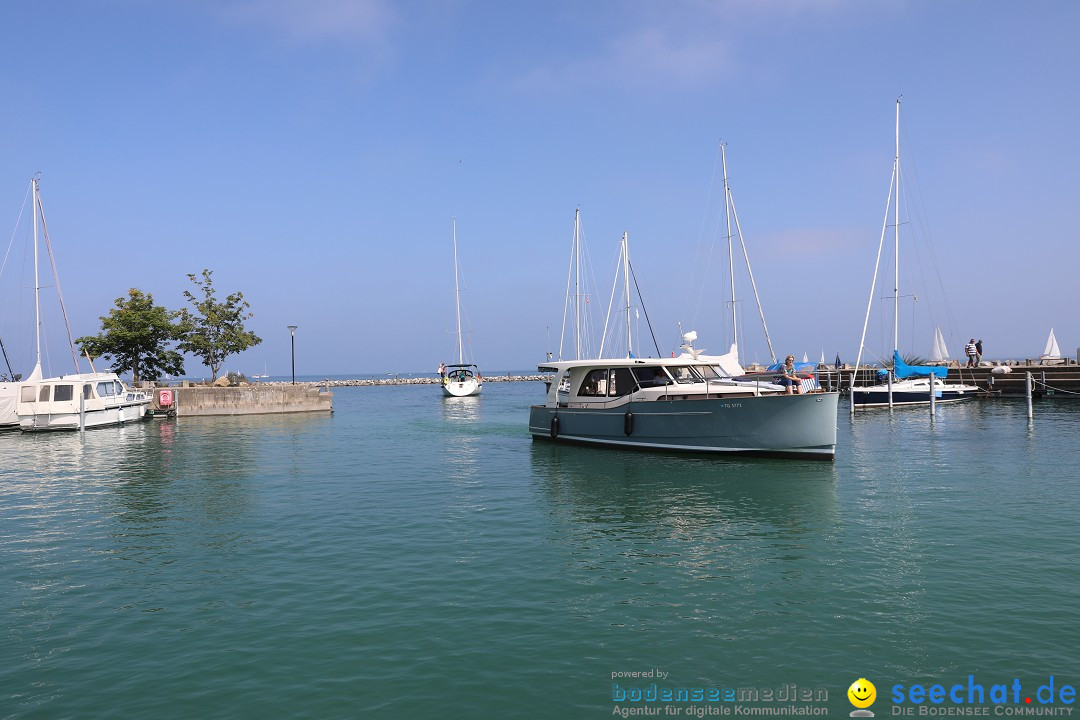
[(246, 400)]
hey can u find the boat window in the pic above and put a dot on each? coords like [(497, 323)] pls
[(651, 376), (63, 392), (105, 389), (595, 383), (620, 382), (119, 387), (44, 395), (26, 393), (684, 374), (564, 383), (711, 373), (87, 391)]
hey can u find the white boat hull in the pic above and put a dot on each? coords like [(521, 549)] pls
[(102, 417), (459, 388)]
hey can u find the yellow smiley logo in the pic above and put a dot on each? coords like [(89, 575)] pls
[(862, 693)]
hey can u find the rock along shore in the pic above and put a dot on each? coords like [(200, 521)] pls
[(361, 382)]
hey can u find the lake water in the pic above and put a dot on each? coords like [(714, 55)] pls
[(419, 557)]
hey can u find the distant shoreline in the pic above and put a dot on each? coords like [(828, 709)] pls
[(366, 382)]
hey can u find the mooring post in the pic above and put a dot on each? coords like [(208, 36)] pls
[(890, 390), (933, 397), (1027, 389), (851, 392)]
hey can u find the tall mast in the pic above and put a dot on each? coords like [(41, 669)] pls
[(730, 253), (457, 300), (577, 283), (37, 285), (896, 237), (626, 284)]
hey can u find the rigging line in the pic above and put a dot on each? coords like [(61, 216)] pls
[(757, 299), (877, 266), (56, 276), (566, 299), (611, 301), (15, 230), (701, 242), (642, 301), (927, 234), (11, 373)]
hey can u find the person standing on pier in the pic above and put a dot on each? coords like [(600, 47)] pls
[(978, 352), (969, 350)]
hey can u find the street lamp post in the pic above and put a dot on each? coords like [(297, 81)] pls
[(292, 335)]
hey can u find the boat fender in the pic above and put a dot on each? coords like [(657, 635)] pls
[(628, 423), (554, 427)]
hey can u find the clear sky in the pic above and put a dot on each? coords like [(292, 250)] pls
[(313, 154)]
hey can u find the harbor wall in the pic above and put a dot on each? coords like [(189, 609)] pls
[(244, 400)]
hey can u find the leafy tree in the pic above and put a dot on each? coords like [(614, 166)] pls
[(136, 335), (217, 331)]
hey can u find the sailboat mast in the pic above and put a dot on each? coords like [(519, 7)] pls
[(626, 285), (730, 249), (577, 283), (457, 300), (896, 237), (37, 284)]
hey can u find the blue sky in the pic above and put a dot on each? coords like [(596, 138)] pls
[(313, 153)]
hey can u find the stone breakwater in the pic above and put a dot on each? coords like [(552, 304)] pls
[(362, 382)]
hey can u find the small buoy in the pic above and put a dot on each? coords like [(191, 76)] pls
[(554, 427), (628, 423)]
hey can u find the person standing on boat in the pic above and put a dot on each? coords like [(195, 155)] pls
[(790, 379), (442, 373), (969, 350), (978, 352)]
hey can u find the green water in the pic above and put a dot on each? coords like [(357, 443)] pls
[(419, 557)]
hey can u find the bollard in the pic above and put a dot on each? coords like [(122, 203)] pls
[(1027, 389), (851, 392)]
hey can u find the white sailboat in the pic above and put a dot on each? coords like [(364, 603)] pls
[(939, 352), (914, 383), (77, 401), (461, 379), (1051, 351)]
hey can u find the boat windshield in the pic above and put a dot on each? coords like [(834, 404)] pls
[(685, 374), (712, 372)]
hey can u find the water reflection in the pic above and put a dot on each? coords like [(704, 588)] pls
[(462, 435)]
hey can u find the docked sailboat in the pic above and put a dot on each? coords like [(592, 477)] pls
[(692, 403), (76, 401), (461, 379), (904, 384)]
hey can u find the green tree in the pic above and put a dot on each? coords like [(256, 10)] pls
[(217, 331), (136, 335)]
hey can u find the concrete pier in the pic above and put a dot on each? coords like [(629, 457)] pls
[(244, 400), (1058, 380)]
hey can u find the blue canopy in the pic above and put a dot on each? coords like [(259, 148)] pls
[(800, 367), (902, 370)]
